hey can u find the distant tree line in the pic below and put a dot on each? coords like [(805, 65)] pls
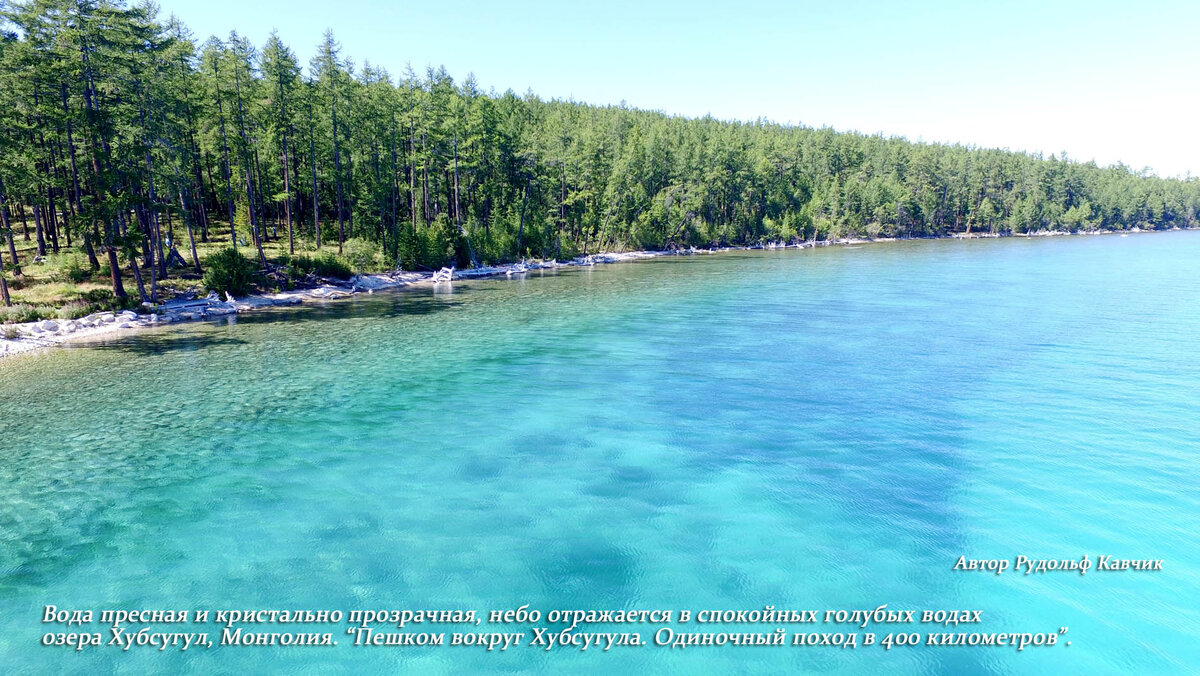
[(117, 130)]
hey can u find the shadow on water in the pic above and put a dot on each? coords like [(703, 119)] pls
[(161, 344), (375, 306)]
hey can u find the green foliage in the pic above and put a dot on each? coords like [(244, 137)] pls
[(782, 230), (360, 254), (434, 246), (19, 313), (420, 170), (323, 264), (408, 249), (228, 271), (76, 309), (446, 246), (69, 267), (102, 297), (125, 303)]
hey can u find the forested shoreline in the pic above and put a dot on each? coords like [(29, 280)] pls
[(124, 139)]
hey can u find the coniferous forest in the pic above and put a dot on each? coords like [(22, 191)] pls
[(126, 140)]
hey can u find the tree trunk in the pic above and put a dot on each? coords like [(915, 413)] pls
[(137, 276), (225, 153), (287, 200), (521, 227), (255, 232), (337, 171), (412, 175), (287, 189), (114, 268), (425, 180), (8, 233), (395, 190), (457, 215), (210, 196), (312, 151), (52, 218), (37, 223), (350, 193), (91, 250), (262, 202), (155, 224), (194, 151), (191, 236)]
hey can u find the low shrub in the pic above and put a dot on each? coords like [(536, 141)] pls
[(75, 310), (129, 302), (323, 264), (228, 271), (360, 254), (99, 296), (75, 269), (21, 313), (68, 267)]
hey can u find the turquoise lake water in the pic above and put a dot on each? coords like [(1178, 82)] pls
[(811, 430)]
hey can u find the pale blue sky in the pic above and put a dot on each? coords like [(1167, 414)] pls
[(1109, 81)]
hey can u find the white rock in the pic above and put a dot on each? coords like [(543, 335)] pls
[(47, 325)]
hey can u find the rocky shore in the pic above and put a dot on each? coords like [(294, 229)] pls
[(19, 338)]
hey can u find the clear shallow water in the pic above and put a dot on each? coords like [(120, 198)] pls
[(818, 430)]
